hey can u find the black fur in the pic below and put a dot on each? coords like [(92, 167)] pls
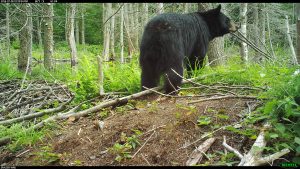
[(169, 37)]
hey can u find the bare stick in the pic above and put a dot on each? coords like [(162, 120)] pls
[(143, 144), (223, 97), (197, 154), (231, 149)]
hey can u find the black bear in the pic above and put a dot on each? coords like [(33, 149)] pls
[(169, 38)]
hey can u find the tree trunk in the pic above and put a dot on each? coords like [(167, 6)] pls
[(39, 31), (294, 58), (160, 8), (243, 45), (25, 52), (112, 37), (186, 7), (215, 51), (82, 26), (136, 25), (107, 32), (122, 34), (100, 75), (71, 36), (7, 30), (269, 34), (262, 21), (128, 37), (66, 23), (146, 11), (48, 36), (298, 30), (255, 28), (77, 31)]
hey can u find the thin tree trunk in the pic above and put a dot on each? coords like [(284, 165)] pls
[(66, 23), (160, 8), (128, 37), (48, 36), (100, 75), (256, 33), (82, 26), (244, 47), (107, 33), (39, 31), (137, 25), (294, 58), (298, 30), (7, 30), (269, 34), (112, 37), (25, 52), (186, 7), (122, 34), (71, 36), (77, 31)]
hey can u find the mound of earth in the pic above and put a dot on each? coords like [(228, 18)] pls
[(168, 126)]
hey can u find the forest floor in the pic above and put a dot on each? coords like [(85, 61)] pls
[(164, 127)]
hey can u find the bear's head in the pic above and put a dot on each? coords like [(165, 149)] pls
[(219, 24)]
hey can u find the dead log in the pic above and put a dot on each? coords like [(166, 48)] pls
[(197, 154)]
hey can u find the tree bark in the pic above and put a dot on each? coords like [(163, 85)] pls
[(39, 31), (255, 28), (160, 8), (67, 23), (122, 34), (243, 45), (107, 32), (112, 37), (71, 37), (82, 26), (294, 58), (77, 31), (128, 37), (7, 30), (215, 51), (48, 36), (298, 30), (25, 52)]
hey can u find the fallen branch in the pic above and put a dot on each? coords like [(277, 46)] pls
[(223, 97), (254, 156), (231, 149), (197, 154), (143, 145), (39, 114)]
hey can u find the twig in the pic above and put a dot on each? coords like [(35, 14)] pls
[(231, 149), (145, 159), (223, 97), (143, 144)]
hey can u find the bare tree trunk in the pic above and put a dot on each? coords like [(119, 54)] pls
[(25, 52), (244, 47), (126, 24), (262, 21), (122, 34), (256, 33), (186, 7), (269, 32), (48, 36), (71, 36), (160, 8), (112, 37), (146, 11), (82, 26), (77, 31), (100, 75), (137, 25), (7, 30), (298, 30), (294, 58), (39, 31), (66, 23), (107, 32), (215, 51)]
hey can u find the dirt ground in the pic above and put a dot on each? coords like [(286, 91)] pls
[(167, 124)]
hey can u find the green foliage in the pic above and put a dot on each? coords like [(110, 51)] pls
[(203, 120), (123, 149), (46, 156), (20, 136), (8, 71)]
